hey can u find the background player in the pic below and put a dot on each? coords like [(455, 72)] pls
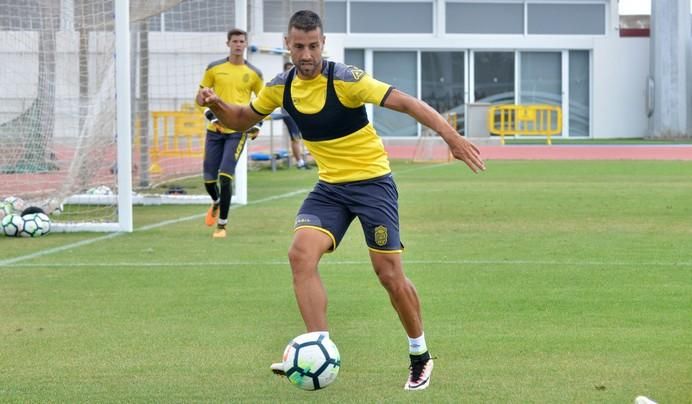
[(234, 80)]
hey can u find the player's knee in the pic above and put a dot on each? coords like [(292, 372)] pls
[(391, 277), (303, 259), (389, 281), (225, 180), (298, 256)]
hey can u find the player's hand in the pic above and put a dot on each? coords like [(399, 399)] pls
[(207, 97), (467, 152), (253, 132)]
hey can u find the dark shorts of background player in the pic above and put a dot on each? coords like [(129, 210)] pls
[(293, 130), (221, 152), (332, 207)]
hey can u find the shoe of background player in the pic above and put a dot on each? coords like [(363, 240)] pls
[(212, 215), (219, 232), (419, 372), (278, 368)]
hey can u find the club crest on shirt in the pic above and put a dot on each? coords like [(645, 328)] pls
[(380, 235), (246, 77)]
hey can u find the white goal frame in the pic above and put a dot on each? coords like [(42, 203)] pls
[(125, 198)]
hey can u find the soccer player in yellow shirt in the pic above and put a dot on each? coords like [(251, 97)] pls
[(326, 99), (234, 80)]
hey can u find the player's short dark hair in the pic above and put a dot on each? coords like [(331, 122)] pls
[(236, 31), (305, 20)]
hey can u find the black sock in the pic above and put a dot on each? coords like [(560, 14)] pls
[(213, 190), (225, 195)]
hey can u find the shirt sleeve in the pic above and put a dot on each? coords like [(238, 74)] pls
[(259, 85), (207, 79), (366, 90), (268, 99)]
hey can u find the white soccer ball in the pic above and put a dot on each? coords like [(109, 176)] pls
[(44, 222), (13, 204), (35, 225), (12, 225), (58, 210), (311, 361), (100, 190)]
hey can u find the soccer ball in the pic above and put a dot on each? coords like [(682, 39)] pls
[(12, 225), (13, 204), (35, 225), (100, 190), (44, 223), (311, 361)]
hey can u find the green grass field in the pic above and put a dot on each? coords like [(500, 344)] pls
[(540, 282)]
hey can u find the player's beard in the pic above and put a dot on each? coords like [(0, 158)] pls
[(308, 69)]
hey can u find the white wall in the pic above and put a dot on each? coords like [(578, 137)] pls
[(620, 69)]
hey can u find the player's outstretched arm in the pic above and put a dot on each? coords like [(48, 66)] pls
[(239, 117), (461, 148)]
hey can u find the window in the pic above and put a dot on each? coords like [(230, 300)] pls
[(484, 18), (494, 77), (442, 86), (400, 70), (278, 12), (355, 57), (391, 17), (579, 83), (541, 78), (566, 19), (335, 16)]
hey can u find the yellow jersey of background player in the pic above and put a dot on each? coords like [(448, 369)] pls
[(233, 83)]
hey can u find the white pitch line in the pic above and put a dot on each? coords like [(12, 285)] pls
[(82, 243), (366, 262)]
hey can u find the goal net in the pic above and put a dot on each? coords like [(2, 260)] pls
[(58, 118), (431, 147)]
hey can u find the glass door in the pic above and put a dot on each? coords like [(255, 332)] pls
[(443, 85)]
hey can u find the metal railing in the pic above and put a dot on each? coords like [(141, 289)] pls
[(537, 120)]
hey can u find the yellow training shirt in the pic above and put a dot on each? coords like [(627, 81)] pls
[(340, 157), (234, 84)]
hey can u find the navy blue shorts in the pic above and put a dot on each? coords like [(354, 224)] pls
[(221, 153), (332, 207)]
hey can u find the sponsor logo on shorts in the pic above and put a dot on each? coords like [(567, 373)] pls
[(380, 235), (307, 220)]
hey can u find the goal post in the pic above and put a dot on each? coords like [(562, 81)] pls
[(123, 114), (82, 83)]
